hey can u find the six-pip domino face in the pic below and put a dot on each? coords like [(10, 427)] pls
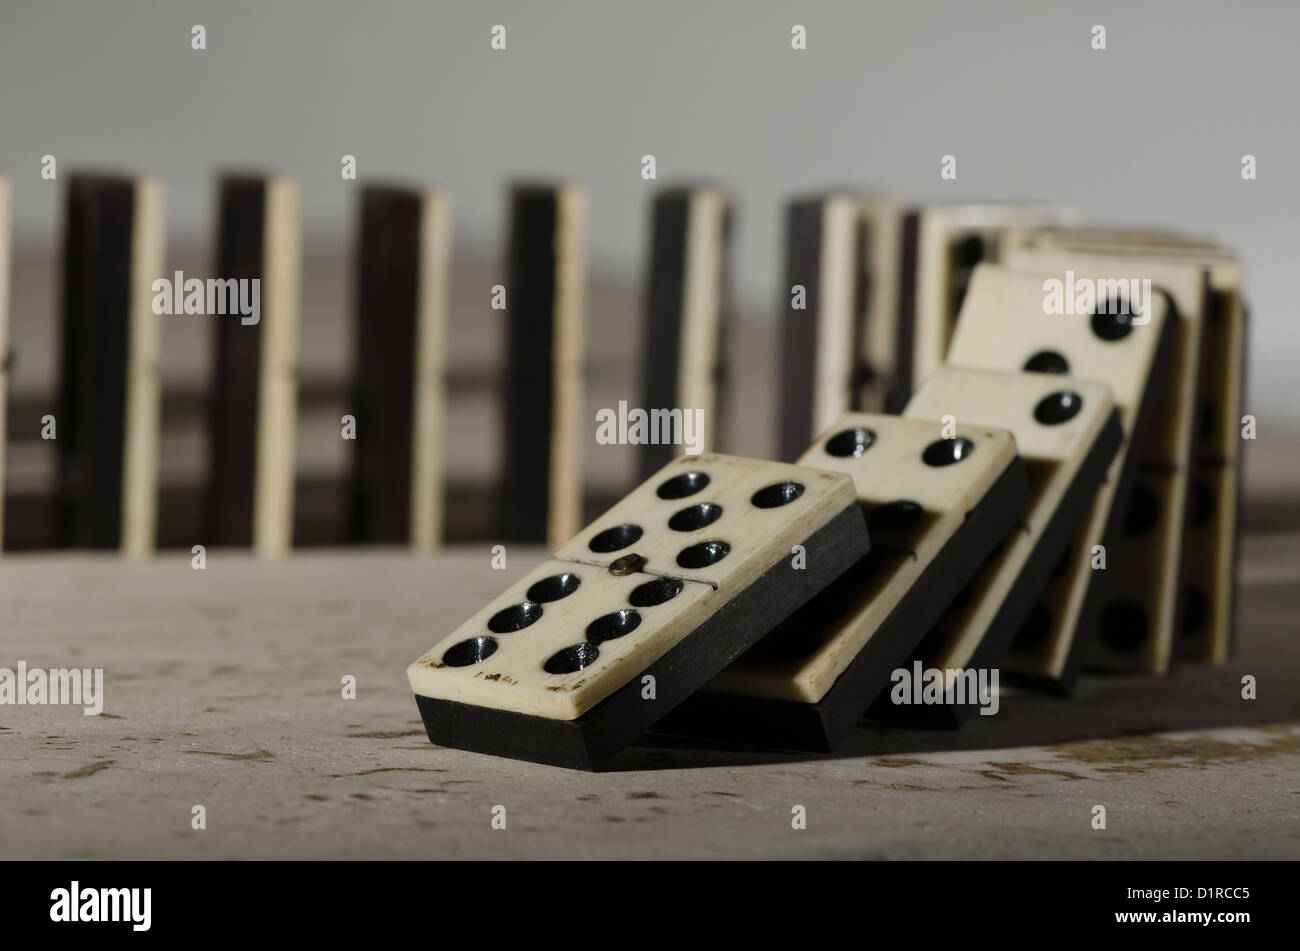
[(935, 508), (1067, 432), (671, 584), (1005, 326)]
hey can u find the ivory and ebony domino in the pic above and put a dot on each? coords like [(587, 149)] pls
[(540, 495), (936, 508), (254, 386), (684, 339), (942, 244), (1004, 326), (6, 357), (1211, 535), (1212, 542), (1133, 611), (1067, 432), (108, 415), (839, 307), (395, 493), (643, 607)]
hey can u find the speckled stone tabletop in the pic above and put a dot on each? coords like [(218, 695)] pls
[(223, 688)]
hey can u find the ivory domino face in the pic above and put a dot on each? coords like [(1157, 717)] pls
[(672, 583)]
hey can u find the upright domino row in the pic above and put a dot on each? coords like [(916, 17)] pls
[(108, 406)]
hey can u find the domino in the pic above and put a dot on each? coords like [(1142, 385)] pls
[(942, 244), (685, 311), (1067, 432), (1211, 547), (109, 402), (540, 498), (395, 493), (1211, 536), (254, 386), (639, 610), (1135, 611), (839, 306), (1004, 326), (1092, 238), (6, 355), (936, 508)]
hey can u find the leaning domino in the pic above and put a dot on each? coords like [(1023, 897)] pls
[(1133, 614), (936, 508), (1004, 326), (1067, 432)]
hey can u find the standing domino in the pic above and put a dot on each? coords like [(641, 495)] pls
[(936, 508), (404, 248), (108, 418), (585, 653), (685, 312), (1067, 432), (254, 386), (540, 497), (6, 357), (838, 336), (1004, 326)]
